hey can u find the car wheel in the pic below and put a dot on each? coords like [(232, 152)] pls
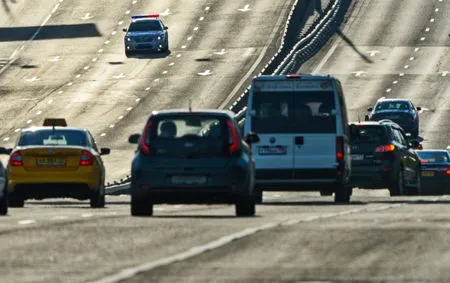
[(245, 206), (416, 189), (15, 200), (141, 206), (4, 205), (342, 194), (398, 186), (258, 195), (97, 200)]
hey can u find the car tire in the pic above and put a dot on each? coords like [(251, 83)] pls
[(97, 200), (141, 206), (245, 206), (4, 204), (258, 195), (398, 186), (417, 188), (342, 194), (16, 200)]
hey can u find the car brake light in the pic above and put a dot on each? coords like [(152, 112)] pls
[(145, 148), (447, 172), (339, 148), (234, 146), (86, 158), (385, 148), (16, 159), (423, 161)]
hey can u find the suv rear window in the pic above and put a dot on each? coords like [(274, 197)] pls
[(367, 134), (294, 112)]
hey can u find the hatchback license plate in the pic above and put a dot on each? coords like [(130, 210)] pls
[(188, 180), (51, 161), (427, 173), (272, 150)]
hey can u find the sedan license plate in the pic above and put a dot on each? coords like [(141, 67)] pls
[(357, 156), (272, 150), (188, 180), (427, 173), (51, 161)]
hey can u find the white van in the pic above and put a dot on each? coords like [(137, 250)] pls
[(302, 124)]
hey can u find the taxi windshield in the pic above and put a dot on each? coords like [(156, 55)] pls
[(434, 156), (145, 26), (53, 138)]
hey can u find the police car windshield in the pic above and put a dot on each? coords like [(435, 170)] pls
[(145, 26), (433, 156), (53, 138), (392, 105)]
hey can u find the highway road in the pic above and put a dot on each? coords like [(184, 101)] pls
[(390, 48)]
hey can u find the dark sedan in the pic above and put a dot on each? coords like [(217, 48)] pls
[(192, 157), (435, 171)]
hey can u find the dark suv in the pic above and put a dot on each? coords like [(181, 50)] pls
[(192, 157), (382, 157)]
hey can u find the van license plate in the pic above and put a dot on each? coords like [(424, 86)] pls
[(188, 180), (272, 150), (357, 156)]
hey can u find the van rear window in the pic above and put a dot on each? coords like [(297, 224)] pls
[(294, 112)]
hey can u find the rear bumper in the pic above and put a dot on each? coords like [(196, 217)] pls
[(53, 190), (435, 186), (372, 177), (170, 195)]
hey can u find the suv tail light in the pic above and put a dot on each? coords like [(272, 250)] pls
[(16, 159), (86, 158), (385, 148), (234, 146), (145, 148), (447, 172), (339, 148)]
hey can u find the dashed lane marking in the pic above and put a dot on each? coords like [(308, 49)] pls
[(86, 215), (33, 79), (26, 222), (86, 17), (205, 73), (165, 13), (245, 9)]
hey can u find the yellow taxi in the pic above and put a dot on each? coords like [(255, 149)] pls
[(55, 161)]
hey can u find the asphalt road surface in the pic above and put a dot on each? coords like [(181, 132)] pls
[(295, 237)]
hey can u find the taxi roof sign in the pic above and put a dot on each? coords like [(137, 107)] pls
[(54, 122)]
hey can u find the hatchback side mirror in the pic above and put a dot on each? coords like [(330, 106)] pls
[(418, 108), (134, 138), (252, 138), (4, 150), (105, 151)]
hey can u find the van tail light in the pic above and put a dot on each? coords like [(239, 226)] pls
[(16, 159), (234, 146), (145, 148), (86, 158), (339, 148), (385, 148)]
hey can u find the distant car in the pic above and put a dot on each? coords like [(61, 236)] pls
[(383, 158), (401, 111), (192, 157), (3, 189), (146, 33), (55, 161), (435, 171)]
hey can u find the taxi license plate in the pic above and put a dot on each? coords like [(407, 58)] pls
[(428, 173), (51, 161), (357, 156), (188, 180), (272, 150)]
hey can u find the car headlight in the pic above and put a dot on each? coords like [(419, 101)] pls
[(159, 38), (128, 39)]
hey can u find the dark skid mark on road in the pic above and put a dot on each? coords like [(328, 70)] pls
[(6, 5), (116, 63), (49, 32), (29, 66), (203, 59), (150, 55), (352, 45)]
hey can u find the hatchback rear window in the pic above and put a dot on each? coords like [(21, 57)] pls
[(188, 128), (367, 134), (294, 112), (433, 157), (53, 138)]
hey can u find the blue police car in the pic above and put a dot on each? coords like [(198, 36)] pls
[(146, 33)]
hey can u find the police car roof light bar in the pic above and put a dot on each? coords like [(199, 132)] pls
[(145, 16)]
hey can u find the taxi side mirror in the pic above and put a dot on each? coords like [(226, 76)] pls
[(252, 138), (105, 151), (4, 150), (124, 30), (134, 138)]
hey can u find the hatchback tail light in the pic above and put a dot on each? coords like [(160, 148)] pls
[(234, 145), (16, 159), (145, 148), (86, 158), (385, 148)]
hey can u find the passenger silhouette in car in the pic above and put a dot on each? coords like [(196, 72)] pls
[(168, 130)]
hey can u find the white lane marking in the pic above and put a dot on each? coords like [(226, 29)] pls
[(129, 108), (86, 215), (171, 64), (86, 17), (60, 92), (444, 73), (107, 42), (17, 130), (201, 18), (245, 9), (39, 112), (205, 73), (120, 23), (147, 88), (134, 2), (207, 8), (113, 33), (86, 68), (372, 53), (70, 83), (112, 126), (164, 72), (100, 50), (178, 55), (55, 59), (195, 29), (395, 82), (416, 49), (6, 139), (422, 38), (60, 217), (448, 147), (78, 76), (120, 76), (432, 20), (359, 73), (26, 222), (156, 80), (221, 52), (411, 58), (189, 38), (183, 46), (388, 90), (225, 240), (165, 13), (178, 206), (424, 109), (94, 59), (406, 66), (120, 117), (427, 29), (137, 99), (401, 74), (127, 12), (50, 101), (436, 10), (29, 121), (33, 79), (103, 134)]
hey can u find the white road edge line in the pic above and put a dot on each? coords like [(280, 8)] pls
[(222, 241)]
